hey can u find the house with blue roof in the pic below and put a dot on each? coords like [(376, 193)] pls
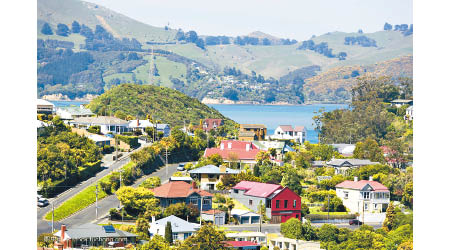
[(210, 175)]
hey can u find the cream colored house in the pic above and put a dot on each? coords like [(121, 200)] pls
[(210, 175), (292, 244), (370, 195)]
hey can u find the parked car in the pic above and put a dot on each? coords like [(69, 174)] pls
[(42, 203), (355, 222), (181, 167)]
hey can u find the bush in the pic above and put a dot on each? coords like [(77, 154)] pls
[(107, 149), (94, 129), (130, 140), (313, 217), (114, 214), (321, 195)]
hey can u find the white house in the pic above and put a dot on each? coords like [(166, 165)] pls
[(70, 113), (400, 102), (370, 195), (292, 244), (181, 229), (287, 132), (45, 107), (108, 124), (257, 237), (343, 166), (142, 124), (409, 113)]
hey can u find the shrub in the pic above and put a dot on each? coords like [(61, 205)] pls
[(313, 217), (321, 195), (94, 129), (130, 140)]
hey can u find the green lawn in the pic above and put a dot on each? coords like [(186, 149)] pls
[(316, 210)]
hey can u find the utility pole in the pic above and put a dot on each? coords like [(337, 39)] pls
[(328, 218), (167, 164), (96, 201), (120, 185), (260, 217), (201, 208)]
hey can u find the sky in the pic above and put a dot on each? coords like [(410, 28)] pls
[(294, 19)]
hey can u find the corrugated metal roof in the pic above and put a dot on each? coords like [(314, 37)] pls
[(178, 224), (100, 120), (92, 230), (359, 185), (211, 169), (257, 189)]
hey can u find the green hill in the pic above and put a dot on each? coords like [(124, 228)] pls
[(168, 105), (66, 11)]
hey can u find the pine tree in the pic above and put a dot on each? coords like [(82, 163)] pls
[(388, 223), (46, 29), (76, 27), (168, 233)]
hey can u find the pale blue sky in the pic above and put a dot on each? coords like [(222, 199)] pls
[(282, 18)]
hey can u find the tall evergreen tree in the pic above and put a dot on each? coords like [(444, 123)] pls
[(62, 30), (46, 29), (76, 27), (168, 233), (388, 223)]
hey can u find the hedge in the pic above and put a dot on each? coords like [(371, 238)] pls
[(130, 140), (314, 217)]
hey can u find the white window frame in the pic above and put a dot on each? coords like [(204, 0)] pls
[(345, 194)]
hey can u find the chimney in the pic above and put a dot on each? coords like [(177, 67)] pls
[(221, 146), (193, 185), (63, 230), (153, 219), (370, 178), (222, 169), (229, 145), (355, 179), (137, 122), (247, 147)]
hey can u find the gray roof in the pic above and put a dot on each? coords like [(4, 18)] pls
[(318, 163), (211, 169), (178, 224), (350, 162), (100, 120), (92, 230), (76, 110), (401, 101)]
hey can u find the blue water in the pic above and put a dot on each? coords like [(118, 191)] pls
[(274, 115), (270, 115)]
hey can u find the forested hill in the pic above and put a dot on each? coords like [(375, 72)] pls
[(165, 104)]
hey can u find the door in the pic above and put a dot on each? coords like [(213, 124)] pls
[(276, 219)]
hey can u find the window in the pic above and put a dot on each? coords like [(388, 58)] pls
[(207, 201), (236, 191), (186, 235), (193, 201), (269, 203), (295, 204), (285, 203), (250, 202), (175, 236), (277, 205), (210, 176), (345, 195), (365, 195), (366, 206)]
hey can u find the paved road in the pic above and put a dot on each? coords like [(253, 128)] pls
[(87, 215), (275, 228)]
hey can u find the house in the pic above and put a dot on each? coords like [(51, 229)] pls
[(389, 156), (100, 140), (232, 151), (242, 245), (180, 191), (292, 244), (400, 102), (370, 195), (92, 235), (211, 124), (260, 130), (245, 216), (344, 149), (280, 146), (287, 132), (210, 175), (40, 125), (257, 237), (45, 107), (181, 229), (108, 124), (409, 113), (281, 202), (137, 124), (214, 215), (247, 136), (343, 166), (70, 113)]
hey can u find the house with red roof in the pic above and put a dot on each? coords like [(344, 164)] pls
[(364, 195), (180, 191), (281, 203), (242, 245), (211, 124), (233, 150), (287, 132)]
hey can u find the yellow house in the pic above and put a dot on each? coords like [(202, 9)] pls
[(260, 131)]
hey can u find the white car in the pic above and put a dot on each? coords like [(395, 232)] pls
[(43, 202), (181, 167)]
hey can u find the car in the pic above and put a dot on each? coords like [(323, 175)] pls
[(43, 202), (355, 222), (181, 167)]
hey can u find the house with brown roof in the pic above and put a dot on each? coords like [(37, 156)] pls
[(211, 124), (180, 191), (364, 196), (260, 131), (287, 132)]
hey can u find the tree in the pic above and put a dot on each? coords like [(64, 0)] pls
[(266, 41), (308, 231), (231, 94), (151, 182), (75, 27), (191, 36), (62, 30), (369, 149), (388, 223), (292, 180), (46, 29), (387, 26), (168, 233), (292, 229), (142, 226), (136, 200), (207, 238), (328, 233), (157, 242), (407, 197)]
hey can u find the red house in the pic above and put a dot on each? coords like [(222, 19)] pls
[(244, 152), (281, 202)]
